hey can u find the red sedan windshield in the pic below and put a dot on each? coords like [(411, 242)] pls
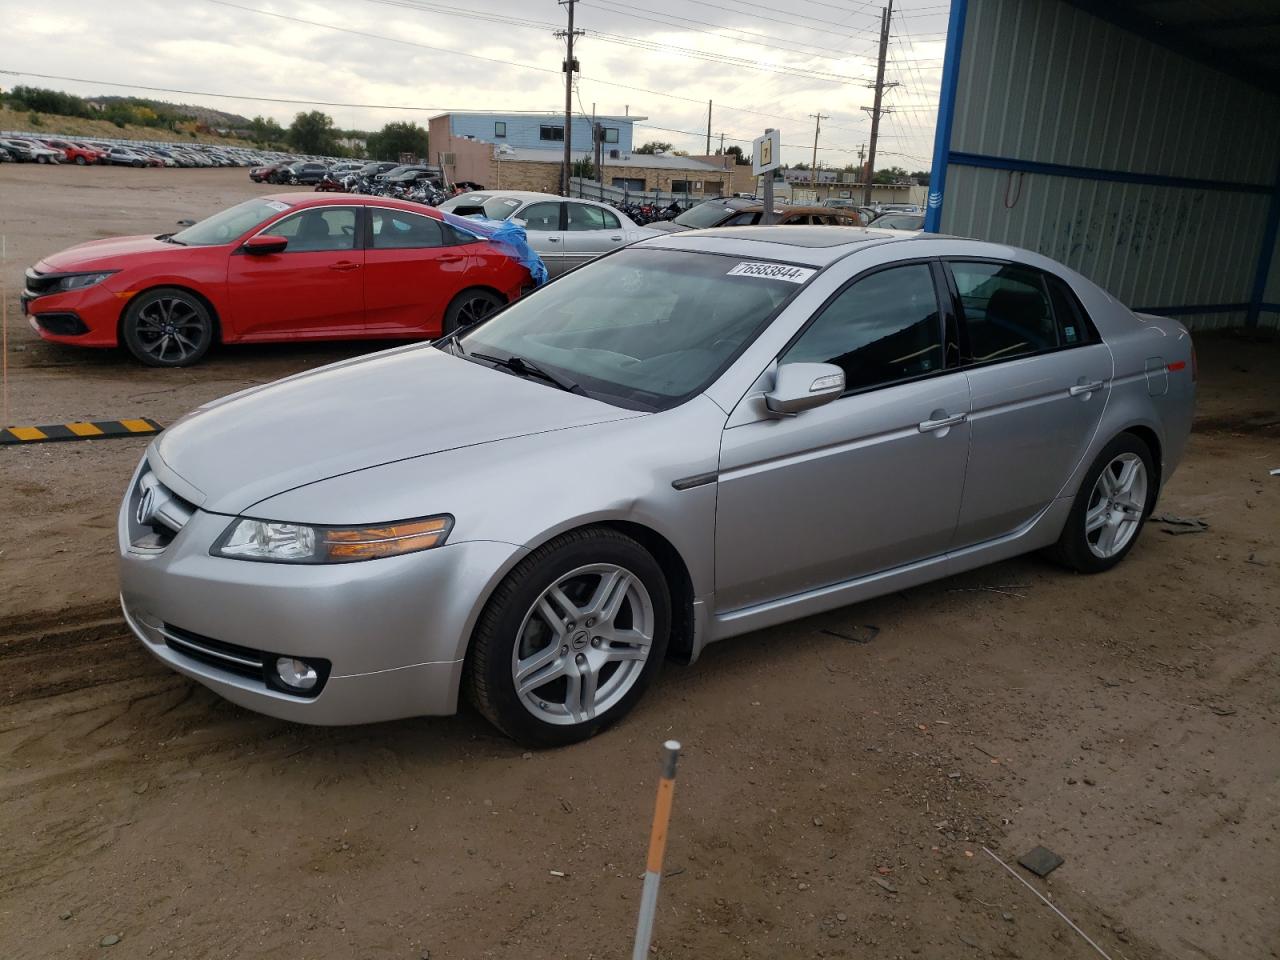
[(230, 223)]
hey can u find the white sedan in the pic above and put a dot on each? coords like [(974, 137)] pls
[(565, 232)]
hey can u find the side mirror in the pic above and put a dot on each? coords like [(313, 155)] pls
[(186, 223), (264, 244), (802, 386)]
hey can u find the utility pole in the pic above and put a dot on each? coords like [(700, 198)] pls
[(817, 129), (570, 68), (722, 143), (880, 86), (708, 126)]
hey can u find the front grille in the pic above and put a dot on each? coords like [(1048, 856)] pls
[(39, 284), (156, 513), (240, 661)]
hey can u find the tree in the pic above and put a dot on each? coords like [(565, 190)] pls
[(652, 147), (584, 168), (395, 139), (921, 176), (265, 130), (739, 157), (312, 133), (890, 175)]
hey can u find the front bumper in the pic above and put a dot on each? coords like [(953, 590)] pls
[(86, 318), (394, 631)]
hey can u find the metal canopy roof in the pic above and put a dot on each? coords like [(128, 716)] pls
[(1238, 37)]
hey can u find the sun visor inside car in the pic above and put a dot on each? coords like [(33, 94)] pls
[(509, 236)]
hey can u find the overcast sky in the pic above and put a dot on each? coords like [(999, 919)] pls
[(662, 59)]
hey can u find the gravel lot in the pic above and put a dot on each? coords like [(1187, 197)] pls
[(835, 796)]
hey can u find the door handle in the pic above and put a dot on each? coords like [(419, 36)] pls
[(615, 238), (553, 239), (344, 265), (1082, 388), (448, 258), (929, 426)]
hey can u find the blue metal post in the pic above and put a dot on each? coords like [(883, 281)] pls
[(946, 113), (1265, 257)]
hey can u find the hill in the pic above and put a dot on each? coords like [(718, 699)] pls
[(52, 125), (206, 115)]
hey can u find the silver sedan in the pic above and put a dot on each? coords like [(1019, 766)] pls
[(565, 232), (688, 439)]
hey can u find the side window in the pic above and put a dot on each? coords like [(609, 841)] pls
[(611, 221), (398, 231), (884, 328), (541, 216), (326, 228), (1006, 311), (579, 216), (1073, 328), (743, 220)]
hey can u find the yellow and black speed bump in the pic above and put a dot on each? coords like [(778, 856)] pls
[(96, 430)]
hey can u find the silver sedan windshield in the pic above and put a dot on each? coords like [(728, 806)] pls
[(644, 329)]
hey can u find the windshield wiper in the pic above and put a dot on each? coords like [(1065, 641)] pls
[(527, 368)]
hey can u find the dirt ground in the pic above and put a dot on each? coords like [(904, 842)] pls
[(835, 797)]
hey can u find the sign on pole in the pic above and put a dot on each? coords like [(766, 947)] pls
[(766, 156), (766, 153)]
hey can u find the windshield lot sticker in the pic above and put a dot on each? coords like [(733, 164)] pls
[(772, 271), (277, 205)]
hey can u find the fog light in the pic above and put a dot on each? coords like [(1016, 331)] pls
[(297, 674)]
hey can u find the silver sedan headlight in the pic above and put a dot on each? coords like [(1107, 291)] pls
[(271, 542)]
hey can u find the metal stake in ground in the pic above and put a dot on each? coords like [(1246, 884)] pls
[(657, 847)]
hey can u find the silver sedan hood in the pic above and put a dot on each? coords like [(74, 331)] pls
[(405, 403)]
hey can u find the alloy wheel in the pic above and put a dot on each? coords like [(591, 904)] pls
[(583, 644), (170, 329), (1116, 506), (475, 310)]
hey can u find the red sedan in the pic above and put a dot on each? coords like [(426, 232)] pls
[(297, 266), (78, 153)]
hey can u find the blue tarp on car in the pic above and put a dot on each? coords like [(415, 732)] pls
[(507, 235)]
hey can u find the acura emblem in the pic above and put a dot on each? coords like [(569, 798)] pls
[(146, 511)]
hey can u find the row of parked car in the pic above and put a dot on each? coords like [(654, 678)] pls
[(29, 148)]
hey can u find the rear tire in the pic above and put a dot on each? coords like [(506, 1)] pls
[(571, 638), (469, 308), (81, 161), (1114, 501), (167, 327)]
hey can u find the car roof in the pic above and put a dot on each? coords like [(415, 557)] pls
[(300, 199), (812, 246)]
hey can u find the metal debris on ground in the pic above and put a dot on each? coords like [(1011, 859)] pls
[(1041, 861), (1180, 525), (1069, 922), (1003, 590), (856, 634)]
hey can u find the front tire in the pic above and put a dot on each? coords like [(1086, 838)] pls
[(81, 161), (1114, 501), (469, 308), (167, 327), (571, 638)]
